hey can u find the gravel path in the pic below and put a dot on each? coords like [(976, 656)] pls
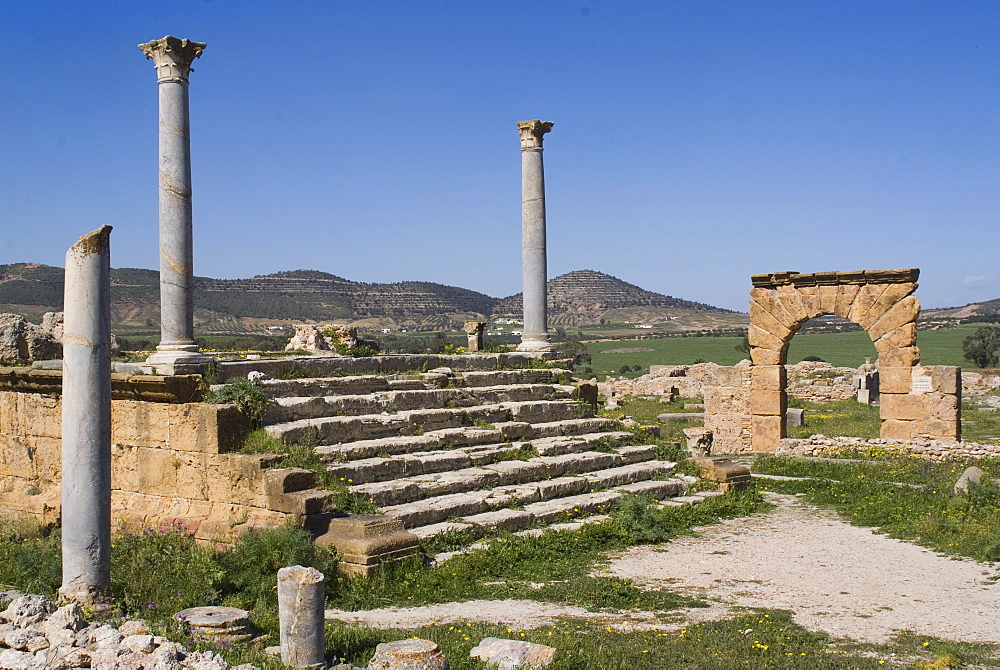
[(837, 578)]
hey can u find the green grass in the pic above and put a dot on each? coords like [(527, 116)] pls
[(937, 347), (931, 516), (848, 418)]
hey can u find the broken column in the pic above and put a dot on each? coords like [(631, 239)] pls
[(535, 335), (177, 352), (86, 420), (475, 330), (300, 614)]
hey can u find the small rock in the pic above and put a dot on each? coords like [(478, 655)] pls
[(510, 654), (972, 475), (65, 657), (442, 371), (140, 643), (103, 637), (134, 628), (68, 617), (16, 660), (26, 639), (412, 654), (205, 660), (118, 659), (27, 610)]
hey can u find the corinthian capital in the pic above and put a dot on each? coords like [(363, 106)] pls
[(531, 133), (172, 57)]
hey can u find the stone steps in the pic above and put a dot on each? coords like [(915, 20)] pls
[(465, 511), (554, 416), (426, 500), (367, 384), (387, 467), (295, 408)]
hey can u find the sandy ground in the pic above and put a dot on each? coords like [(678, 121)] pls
[(834, 577)]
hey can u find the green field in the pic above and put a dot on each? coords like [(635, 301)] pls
[(937, 347)]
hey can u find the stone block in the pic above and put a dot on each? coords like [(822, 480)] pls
[(724, 471), (500, 653), (762, 318), (769, 300), (363, 540), (761, 338), (124, 467), (810, 298), (846, 293), (726, 425), (904, 336), (768, 402), (945, 378), (892, 294), (894, 379), (938, 428), (157, 474), (192, 474), (790, 298), (867, 296), (762, 356), (945, 407), (768, 377), (903, 312), (901, 357), (794, 417), (898, 429), (766, 432), (903, 406), (828, 298)]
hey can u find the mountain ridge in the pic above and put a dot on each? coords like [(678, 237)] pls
[(314, 295)]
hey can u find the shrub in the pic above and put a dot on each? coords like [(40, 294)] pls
[(30, 556), (248, 396)]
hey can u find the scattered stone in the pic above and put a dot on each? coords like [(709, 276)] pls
[(795, 417), (309, 338), (726, 474), (699, 441), (22, 342), (134, 628), (27, 610), (412, 654), (510, 654), (972, 476), (217, 624), (442, 371)]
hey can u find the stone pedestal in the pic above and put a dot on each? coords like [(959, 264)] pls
[(300, 614), (177, 352), (364, 541), (535, 335), (86, 420), (412, 654)]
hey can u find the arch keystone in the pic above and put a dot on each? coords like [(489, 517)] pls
[(846, 293)]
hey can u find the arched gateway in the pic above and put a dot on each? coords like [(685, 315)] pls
[(916, 401)]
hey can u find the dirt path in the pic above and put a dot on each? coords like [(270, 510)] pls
[(836, 578)]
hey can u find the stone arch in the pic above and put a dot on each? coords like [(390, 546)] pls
[(881, 302)]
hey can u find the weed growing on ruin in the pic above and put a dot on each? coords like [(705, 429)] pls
[(30, 556), (247, 395), (931, 515), (185, 573), (521, 453)]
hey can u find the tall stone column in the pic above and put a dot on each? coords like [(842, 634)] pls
[(86, 420), (301, 593), (534, 270), (177, 352)]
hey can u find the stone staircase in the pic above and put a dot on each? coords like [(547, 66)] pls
[(459, 450)]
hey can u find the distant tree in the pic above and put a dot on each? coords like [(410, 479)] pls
[(636, 368), (625, 369), (813, 358), (982, 347), (744, 345)]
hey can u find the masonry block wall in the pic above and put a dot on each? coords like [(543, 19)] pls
[(172, 465)]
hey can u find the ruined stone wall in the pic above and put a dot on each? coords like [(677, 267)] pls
[(172, 464), (727, 396)]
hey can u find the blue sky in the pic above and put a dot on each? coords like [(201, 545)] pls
[(695, 143)]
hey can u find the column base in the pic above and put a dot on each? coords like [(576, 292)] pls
[(87, 596), (176, 359), (536, 343)]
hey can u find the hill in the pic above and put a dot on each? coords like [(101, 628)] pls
[(586, 297), (576, 298), (988, 311)]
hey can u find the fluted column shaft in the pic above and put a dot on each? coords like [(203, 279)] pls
[(534, 268)]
